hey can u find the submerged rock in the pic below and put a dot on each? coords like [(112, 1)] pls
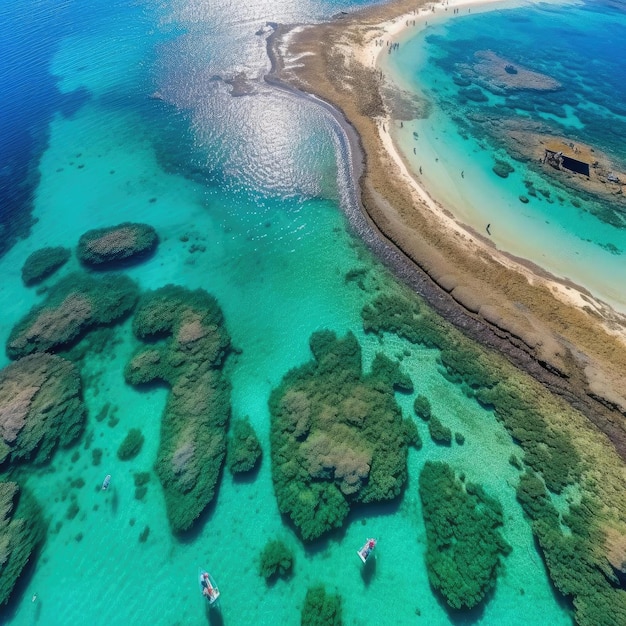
[(127, 242), (40, 407), (75, 304)]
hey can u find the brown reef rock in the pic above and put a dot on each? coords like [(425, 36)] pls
[(21, 530), (40, 407), (74, 305), (127, 242)]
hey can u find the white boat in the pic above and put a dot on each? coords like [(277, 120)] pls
[(208, 587), (367, 549), (105, 482)]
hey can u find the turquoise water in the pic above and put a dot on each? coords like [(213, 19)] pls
[(244, 194), (569, 233)]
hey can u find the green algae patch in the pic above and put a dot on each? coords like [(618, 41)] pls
[(74, 305), (21, 531), (41, 407), (188, 346), (321, 608), (276, 560), (122, 244), (243, 451), (568, 543), (131, 445), (464, 544), (42, 263), (337, 437)]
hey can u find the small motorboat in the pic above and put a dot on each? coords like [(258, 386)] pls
[(208, 587), (367, 549), (105, 482)]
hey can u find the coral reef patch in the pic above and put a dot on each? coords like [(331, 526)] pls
[(43, 263), (188, 346), (243, 450), (21, 531), (276, 560), (41, 407), (337, 436), (462, 529), (131, 445), (568, 542), (321, 608), (123, 244), (74, 305)]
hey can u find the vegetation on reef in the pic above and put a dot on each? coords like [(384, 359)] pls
[(411, 434), (337, 437), (131, 445), (561, 448), (188, 346), (43, 263), (41, 407), (243, 450), (488, 379), (122, 243), (462, 530), (388, 370), (421, 406), (567, 541), (276, 560), (21, 531), (439, 433), (321, 608), (75, 304)]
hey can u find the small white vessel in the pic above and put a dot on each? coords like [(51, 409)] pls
[(105, 483), (208, 587), (367, 549)]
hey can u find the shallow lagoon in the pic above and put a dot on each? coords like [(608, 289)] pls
[(459, 141)]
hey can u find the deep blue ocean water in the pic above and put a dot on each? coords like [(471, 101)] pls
[(122, 110)]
